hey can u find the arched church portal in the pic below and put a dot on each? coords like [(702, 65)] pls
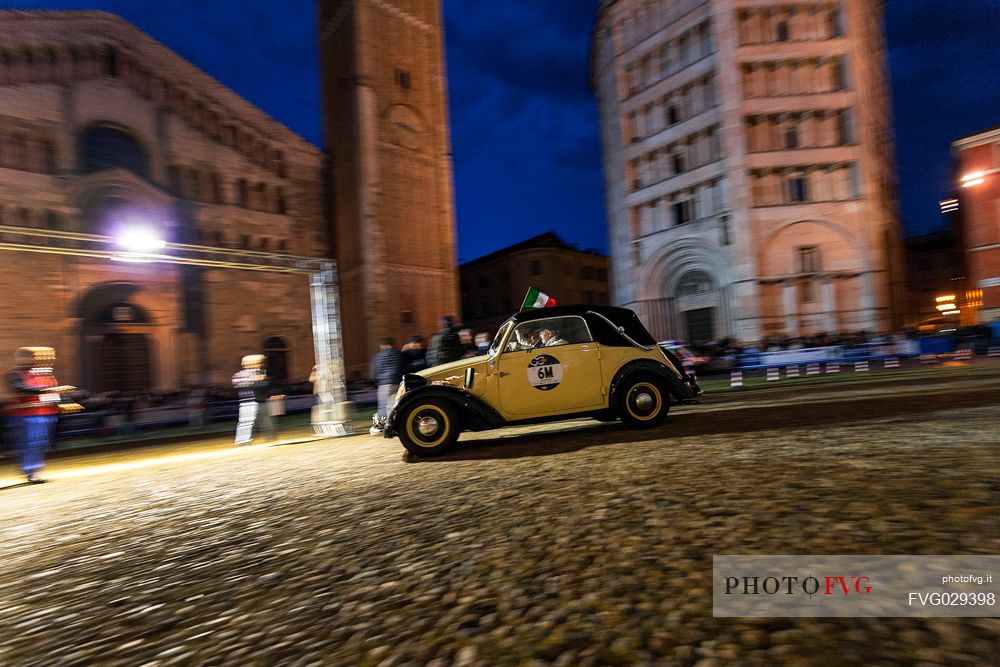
[(697, 301), (117, 340)]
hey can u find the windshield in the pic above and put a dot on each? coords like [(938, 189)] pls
[(495, 345)]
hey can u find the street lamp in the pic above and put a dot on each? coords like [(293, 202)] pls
[(140, 239), (973, 178), (138, 242)]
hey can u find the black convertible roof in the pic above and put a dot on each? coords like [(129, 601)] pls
[(597, 318)]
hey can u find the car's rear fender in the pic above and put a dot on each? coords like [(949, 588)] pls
[(476, 415), (675, 385)]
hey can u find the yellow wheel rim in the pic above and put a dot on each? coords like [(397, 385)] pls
[(420, 415), (640, 393)]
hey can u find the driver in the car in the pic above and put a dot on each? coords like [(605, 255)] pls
[(550, 337)]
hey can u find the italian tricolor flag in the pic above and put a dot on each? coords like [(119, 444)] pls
[(536, 299)]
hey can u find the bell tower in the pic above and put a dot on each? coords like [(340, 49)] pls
[(389, 176)]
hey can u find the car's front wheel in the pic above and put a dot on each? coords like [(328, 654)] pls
[(642, 401), (428, 427)]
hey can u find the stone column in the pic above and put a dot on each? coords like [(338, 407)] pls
[(866, 302), (790, 300), (829, 300)]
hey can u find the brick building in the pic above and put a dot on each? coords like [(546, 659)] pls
[(103, 130), (748, 166), (977, 158), (494, 285), (935, 267), (390, 181)]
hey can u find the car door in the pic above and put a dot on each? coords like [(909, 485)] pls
[(560, 378)]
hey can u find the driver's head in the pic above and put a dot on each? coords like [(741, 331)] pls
[(547, 333)]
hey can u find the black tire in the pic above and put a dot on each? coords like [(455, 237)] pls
[(642, 401), (439, 418)]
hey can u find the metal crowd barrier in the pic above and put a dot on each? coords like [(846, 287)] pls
[(828, 354)]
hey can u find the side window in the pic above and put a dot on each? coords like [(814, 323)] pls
[(550, 332)]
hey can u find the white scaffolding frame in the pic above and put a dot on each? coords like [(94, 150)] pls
[(330, 416)]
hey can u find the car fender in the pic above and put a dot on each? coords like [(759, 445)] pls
[(476, 415), (675, 385)]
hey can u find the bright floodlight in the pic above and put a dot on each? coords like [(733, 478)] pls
[(140, 239), (973, 179)]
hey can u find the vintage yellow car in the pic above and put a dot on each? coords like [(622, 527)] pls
[(544, 364)]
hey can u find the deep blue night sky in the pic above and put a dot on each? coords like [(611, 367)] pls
[(524, 122)]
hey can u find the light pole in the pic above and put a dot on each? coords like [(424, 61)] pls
[(140, 243)]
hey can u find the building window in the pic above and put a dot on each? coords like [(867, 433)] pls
[(174, 180), (672, 116), (110, 63), (835, 27), (807, 259), (807, 291), (724, 230), (854, 181), (839, 74), (52, 220), (795, 189), (695, 282), (536, 267), (677, 160), (109, 148), (792, 136), (403, 78), (217, 196), (782, 32), (406, 317), (683, 211), (845, 127), (242, 193)]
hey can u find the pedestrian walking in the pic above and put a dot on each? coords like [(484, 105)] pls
[(446, 344), (387, 371), (414, 355), (252, 385), (482, 343), (32, 406)]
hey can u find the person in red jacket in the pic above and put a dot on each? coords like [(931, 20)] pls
[(32, 405)]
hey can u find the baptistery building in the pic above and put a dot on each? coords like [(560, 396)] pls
[(108, 136), (748, 166)]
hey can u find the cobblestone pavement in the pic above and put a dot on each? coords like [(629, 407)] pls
[(576, 543)]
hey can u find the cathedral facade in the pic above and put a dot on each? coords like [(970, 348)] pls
[(390, 172), (748, 166), (104, 132)]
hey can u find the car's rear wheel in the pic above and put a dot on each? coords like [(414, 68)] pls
[(642, 401), (428, 427)]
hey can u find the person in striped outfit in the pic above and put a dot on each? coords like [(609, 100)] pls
[(32, 406)]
